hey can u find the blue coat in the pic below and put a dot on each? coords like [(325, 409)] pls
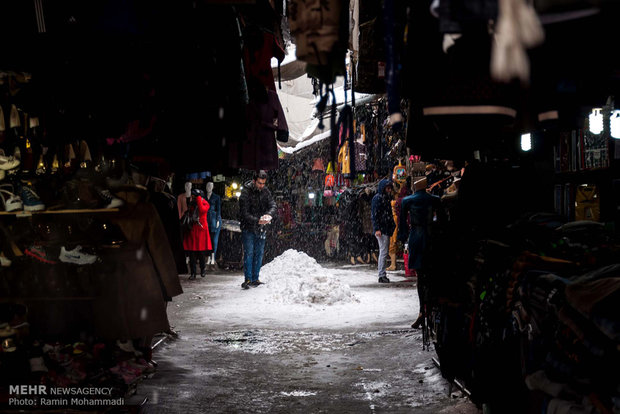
[(420, 207), (214, 215), (381, 214)]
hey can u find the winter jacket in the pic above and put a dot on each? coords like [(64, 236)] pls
[(381, 214), (420, 207), (253, 204), (265, 123), (214, 215), (140, 274), (198, 238), (315, 24)]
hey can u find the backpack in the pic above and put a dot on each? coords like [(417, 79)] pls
[(188, 219)]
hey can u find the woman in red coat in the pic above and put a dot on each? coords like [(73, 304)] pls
[(197, 241)]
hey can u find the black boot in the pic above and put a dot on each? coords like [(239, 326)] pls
[(203, 272), (418, 322), (192, 266)]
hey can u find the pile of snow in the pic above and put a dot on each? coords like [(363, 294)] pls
[(295, 277)]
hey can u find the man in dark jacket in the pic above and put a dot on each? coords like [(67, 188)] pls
[(383, 223), (256, 208)]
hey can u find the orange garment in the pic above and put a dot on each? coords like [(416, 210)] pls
[(344, 158), (393, 240)]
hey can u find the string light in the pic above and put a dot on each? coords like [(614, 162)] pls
[(595, 120), (310, 196), (614, 123), (238, 194), (526, 142), (235, 186)]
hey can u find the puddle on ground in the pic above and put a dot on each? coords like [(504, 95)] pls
[(298, 393), (275, 342)]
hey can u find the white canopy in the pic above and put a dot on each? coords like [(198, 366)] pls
[(299, 104)]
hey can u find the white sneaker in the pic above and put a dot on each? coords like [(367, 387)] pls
[(8, 163), (76, 256), (10, 201), (127, 346)]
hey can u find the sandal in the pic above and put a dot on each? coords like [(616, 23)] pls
[(10, 201)]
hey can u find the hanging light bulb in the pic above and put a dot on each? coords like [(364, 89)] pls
[(526, 142), (614, 123), (310, 196), (238, 194), (235, 186), (595, 119)]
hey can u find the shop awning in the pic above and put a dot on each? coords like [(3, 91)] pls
[(299, 104)]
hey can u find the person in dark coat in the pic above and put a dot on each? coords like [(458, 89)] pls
[(420, 207), (197, 241), (166, 205), (256, 210), (383, 223)]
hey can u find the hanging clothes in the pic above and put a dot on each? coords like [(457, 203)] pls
[(365, 212), (265, 120), (344, 159), (454, 92), (360, 157), (142, 274), (181, 204), (394, 236), (260, 47), (168, 211)]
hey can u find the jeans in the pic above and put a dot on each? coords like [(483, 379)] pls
[(215, 235), (253, 249), (384, 246)]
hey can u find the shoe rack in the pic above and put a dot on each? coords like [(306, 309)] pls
[(67, 211)]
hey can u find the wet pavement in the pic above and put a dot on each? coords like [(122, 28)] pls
[(228, 359)]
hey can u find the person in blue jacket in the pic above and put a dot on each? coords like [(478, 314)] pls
[(383, 223), (421, 208)]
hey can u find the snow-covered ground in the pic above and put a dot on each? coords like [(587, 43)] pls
[(315, 338), (301, 294)]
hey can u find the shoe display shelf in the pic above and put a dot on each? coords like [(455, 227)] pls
[(68, 211)]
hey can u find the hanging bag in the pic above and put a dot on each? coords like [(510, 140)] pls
[(189, 219)]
